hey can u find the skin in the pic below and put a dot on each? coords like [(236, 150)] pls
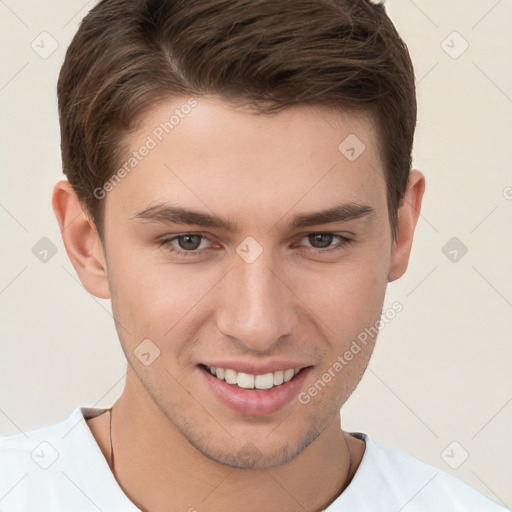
[(174, 441)]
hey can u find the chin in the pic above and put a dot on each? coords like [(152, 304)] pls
[(253, 456)]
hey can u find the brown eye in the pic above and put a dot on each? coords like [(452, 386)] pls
[(189, 242), (320, 240), (322, 243)]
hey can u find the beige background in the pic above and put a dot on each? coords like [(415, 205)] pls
[(441, 370)]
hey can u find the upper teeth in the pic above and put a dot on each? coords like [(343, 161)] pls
[(248, 381)]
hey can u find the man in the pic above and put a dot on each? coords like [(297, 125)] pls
[(239, 185)]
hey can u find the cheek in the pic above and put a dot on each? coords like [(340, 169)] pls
[(346, 297), (159, 300)]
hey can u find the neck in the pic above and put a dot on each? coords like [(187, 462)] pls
[(161, 468)]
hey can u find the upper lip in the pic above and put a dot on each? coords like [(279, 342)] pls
[(257, 368)]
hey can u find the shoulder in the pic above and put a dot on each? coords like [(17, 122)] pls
[(391, 479), (31, 447), (40, 469), (27, 460)]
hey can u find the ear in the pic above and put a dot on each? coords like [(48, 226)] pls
[(81, 240), (408, 215)]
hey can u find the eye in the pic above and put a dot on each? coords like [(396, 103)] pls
[(186, 244), (321, 242), (193, 244)]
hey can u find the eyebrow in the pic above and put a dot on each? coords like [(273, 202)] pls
[(168, 214)]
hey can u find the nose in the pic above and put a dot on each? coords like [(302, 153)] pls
[(257, 307)]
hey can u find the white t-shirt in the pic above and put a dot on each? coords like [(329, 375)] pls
[(60, 468)]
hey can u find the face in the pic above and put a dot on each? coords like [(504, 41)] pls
[(247, 245)]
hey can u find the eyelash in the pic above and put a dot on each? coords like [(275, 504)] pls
[(343, 243)]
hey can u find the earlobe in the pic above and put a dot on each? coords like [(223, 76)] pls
[(81, 239), (408, 215)]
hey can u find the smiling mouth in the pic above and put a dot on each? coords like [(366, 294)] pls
[(249, 381)]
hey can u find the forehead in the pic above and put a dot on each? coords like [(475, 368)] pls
[(294, 130), (205, 153)]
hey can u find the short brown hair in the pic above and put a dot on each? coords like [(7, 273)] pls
[(129, 55)]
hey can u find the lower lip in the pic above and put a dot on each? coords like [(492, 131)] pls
[(254, 402)]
